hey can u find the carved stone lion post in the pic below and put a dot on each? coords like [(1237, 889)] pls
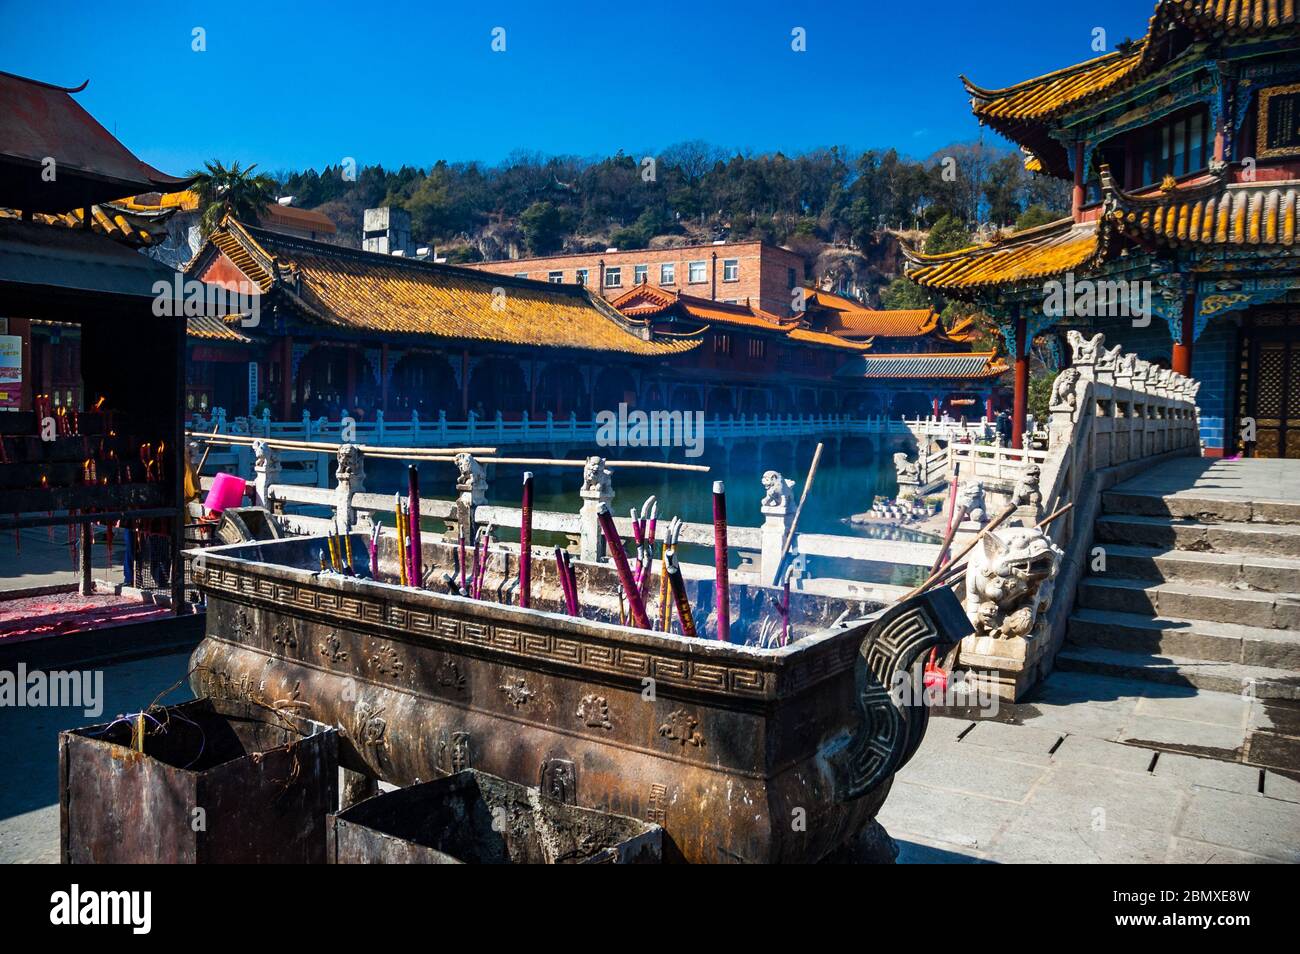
[(778, 492), (596, 490)]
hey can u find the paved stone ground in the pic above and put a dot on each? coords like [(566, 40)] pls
[(1100, 769), (1054, 780)]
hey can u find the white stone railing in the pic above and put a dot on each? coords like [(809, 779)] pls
[(414, 432), (347, 506), (1111, 414)]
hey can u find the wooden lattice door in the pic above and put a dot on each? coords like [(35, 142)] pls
[(1271, 383)]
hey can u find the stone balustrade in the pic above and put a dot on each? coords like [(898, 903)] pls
[(1111, 415)]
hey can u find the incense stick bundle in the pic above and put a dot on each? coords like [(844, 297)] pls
[(403, 562), (460, 539), (615, 543), (413, 501)]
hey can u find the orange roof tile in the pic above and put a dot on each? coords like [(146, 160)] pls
[(646, 300), (844, 316)]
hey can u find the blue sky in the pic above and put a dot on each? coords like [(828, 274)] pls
[(293, 85)]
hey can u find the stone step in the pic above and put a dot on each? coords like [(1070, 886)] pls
[(1191, 505), (1192, 639), (1174, 534), (1263, 682), (1191, 601), (1247, 571)]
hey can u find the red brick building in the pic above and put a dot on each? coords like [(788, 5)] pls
[(764, 276)]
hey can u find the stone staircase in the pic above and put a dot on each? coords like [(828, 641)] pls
[(1200, 588)]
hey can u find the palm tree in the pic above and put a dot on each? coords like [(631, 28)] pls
[(231, 190)]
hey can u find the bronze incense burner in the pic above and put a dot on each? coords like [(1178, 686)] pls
[(741, 754)]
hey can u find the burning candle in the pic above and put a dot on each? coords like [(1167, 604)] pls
[(526, 541), (722, 570)]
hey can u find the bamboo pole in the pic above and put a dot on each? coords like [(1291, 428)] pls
[(794, 524), (321, 446), (990, 526)]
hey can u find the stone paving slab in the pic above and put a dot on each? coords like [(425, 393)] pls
[(996, 794)]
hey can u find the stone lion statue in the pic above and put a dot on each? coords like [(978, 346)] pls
[(470, 475), (1026, 492), (777, 490), (596, 477), (1084, 350), (970, 498), (1064, 397), (908, 471), (1009, 582), (351, 464), (264, 455)]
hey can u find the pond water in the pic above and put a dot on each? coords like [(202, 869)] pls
[(846, 483)]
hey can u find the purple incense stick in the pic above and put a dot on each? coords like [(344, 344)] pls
[(721, 570), (417, 555)]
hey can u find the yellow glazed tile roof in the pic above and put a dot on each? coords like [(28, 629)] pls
[(1254, 214), (1036, 253), (109, 219), (210, 328), (1045, 96), (1235, 16), (368, 291)]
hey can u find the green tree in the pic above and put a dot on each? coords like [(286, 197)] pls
[(545, 226), (1034, 216), (1040, 394), (232, 190), (903, 293), (948, 235)]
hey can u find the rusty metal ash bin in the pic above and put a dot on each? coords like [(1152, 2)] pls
[(222, 781), (472, 817)]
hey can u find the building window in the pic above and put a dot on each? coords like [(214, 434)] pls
[(731, 269), (1176, 147), (521, 274), (722, 344), (757, 348), (697, 273), (668, 274), (791, 279), (613, 278), (640, 274), (582, 276), (555, 278)]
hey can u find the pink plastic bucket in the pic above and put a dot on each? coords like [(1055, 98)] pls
[(227, 491)]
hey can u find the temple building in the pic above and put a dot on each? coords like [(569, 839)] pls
[(1184, 152), (346, 331), (340, 330), (825, 361), (91, 368)]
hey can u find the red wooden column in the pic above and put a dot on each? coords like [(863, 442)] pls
[(1182, 355), (1021, 406), (1078, 193), (383, 376)]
